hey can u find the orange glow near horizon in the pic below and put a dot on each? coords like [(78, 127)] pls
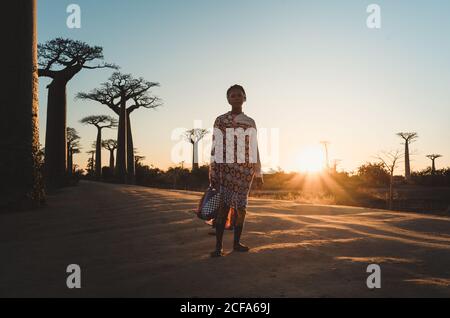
[(311, 159)]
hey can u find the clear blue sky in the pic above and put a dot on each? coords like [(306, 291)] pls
[(312, 69)]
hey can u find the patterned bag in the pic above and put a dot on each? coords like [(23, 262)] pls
[(209, 204)]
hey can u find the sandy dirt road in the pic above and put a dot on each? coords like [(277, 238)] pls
[(134, 241)]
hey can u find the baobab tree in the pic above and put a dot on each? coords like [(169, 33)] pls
[(194, 136), (138, 159), (61, 59), (390, 161), (335, 164), (433, 157), (91, 162), (325, 145), (100, 122), (110, 145), (74, 151), (408, 138), (124, 94), (20, 182), (73, 147)]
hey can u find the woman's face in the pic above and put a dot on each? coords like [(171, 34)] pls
[(236, 98)]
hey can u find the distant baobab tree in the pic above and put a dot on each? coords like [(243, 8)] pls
[(194, 136), (124, 94), (91, 162), (110, 145), (335, 164), (138, 159), (21, 181), (61, 59), (408, 137), (327, 162), (390, 161), (73, 147), (100, 122), (74, 151), (433, 157)]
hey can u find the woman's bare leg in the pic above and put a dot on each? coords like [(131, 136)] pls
[(240, 218), (220, 228)]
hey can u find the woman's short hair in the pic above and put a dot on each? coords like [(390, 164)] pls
[(239, 87)]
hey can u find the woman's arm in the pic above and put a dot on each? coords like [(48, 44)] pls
[(258, 171), (213, 166)]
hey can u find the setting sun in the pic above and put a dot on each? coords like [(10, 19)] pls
[(311, 159)]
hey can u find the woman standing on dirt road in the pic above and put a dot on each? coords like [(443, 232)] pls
[(232, 170)]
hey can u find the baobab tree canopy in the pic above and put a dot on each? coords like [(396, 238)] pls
[(123, 88), (408, 136), (72, 135), (434, 156), (195, 135), (109, 144), (68, 54), (101, 121)]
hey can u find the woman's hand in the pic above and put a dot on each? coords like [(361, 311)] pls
[(214, 184)]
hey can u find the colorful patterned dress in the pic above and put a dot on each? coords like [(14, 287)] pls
[(234, 179)]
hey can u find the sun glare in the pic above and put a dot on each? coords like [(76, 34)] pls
[(311, 159)]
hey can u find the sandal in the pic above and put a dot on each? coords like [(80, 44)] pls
[(240, 248), (217, 253)]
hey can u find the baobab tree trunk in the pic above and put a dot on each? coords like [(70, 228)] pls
[(433, 172), (130, 152), (92, 164), (111, 159), (194, 155), (68, 157), (407, 167), (121, 164), (391, 191), (20, 180), (98, 154), (69, 161), (56, 135)]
